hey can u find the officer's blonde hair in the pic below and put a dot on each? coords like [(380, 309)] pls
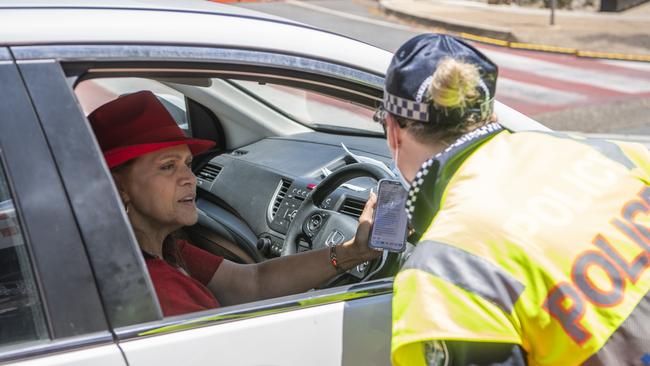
[(454, 85)]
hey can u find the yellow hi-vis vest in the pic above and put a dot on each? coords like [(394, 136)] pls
[(535, 239)]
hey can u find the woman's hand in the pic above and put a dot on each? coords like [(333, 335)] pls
[(356, 250), (235, 283)]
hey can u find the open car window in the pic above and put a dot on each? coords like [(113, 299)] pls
[(242, 106)]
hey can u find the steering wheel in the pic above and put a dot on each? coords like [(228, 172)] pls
[(323, 228)]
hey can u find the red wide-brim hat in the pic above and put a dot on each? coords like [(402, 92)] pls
[(137, 124)]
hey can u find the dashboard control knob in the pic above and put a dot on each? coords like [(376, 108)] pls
[(361, 268), (264, 245), (314, 222)]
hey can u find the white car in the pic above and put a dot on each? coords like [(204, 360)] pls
[(279, 98)]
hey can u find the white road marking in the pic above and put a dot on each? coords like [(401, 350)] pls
[(528, 92), (636, 65), (611, 81), (536, 94), (484, 6), (352, 16)]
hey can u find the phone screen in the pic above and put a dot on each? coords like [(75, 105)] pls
[(390, 224)]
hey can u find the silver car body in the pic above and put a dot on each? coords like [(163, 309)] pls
[(340, 326)]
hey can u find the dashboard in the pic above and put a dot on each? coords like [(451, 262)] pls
[(264, 183)]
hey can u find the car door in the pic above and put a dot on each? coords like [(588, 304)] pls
[(347, 325), (43, 261)]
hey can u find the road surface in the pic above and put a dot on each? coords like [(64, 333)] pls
[(562, 91)]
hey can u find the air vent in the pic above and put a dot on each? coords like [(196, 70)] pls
[(209, 172), (352, 207), (283, 188)]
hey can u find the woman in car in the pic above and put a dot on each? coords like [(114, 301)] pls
[(149, 158)]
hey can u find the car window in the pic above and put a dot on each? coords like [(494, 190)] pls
[(21, 315), (240, 106), (313, 109), (96, 92)]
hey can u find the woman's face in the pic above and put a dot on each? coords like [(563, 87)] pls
[(160, 189)]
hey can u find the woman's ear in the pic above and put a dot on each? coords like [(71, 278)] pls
[(393, 132), (118, 179), (124, 196)]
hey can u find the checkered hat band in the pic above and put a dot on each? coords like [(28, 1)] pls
[(406, 108)]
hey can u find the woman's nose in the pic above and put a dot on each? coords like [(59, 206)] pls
[(188, 176)]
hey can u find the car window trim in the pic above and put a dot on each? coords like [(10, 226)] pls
[(109, 242), (40, 349), (257, 309), (129, 53)]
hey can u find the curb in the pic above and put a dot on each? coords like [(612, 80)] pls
[(555, 49), (503, 37)]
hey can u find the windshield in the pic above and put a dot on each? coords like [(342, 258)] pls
[(318, 111)]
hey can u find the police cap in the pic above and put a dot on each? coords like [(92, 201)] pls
[(410, 73)]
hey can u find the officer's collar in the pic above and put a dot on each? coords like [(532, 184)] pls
[(432, 178)]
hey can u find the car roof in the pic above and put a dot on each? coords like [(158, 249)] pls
[(178, 22), (171, 5)]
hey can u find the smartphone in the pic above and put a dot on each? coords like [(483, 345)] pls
[(391, 223)]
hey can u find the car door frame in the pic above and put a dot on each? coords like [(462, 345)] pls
[(51, 72), (57, 254), (128, 296)]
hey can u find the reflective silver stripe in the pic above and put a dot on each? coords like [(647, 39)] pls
[(630, 343), (467, 271)]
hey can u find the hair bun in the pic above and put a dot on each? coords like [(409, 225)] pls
[(454, 83)]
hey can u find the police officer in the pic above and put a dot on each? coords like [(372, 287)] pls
[(532, 247)]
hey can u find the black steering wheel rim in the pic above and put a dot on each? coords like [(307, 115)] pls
[(315, 198)]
